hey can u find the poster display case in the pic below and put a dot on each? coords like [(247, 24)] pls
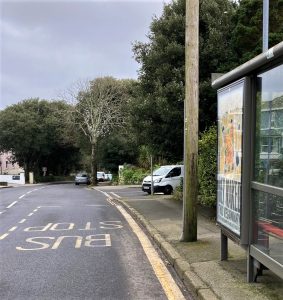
[(229, 177)]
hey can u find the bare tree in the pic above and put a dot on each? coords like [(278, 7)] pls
[(97, 109)]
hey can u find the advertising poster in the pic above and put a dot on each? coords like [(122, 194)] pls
[(229, 181)]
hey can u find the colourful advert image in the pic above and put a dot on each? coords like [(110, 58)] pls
[(230, 121)]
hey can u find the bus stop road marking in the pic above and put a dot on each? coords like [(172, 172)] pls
[(3, 236), (13, 228)]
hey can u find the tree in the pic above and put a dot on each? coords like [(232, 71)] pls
[(36, 134), (122, 145), (97, 110), (247, 34), (159, 106), (116, 149)]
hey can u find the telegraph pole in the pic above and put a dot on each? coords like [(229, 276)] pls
[(190, 190)]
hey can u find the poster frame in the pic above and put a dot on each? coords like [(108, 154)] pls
[(243, 236)]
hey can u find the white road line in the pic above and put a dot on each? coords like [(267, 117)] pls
[(107, 195), (115, 195), (168, 284), (29, 215), (35, 210), (12, 204), (13, 228), (1, 212), (3, 236), (96, 205), (22, 196), (29, 192), (49, 206), (109, 200), (22, 221)]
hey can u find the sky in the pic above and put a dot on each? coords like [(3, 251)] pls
[(46, 45)]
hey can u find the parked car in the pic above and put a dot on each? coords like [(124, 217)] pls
[(165, 179), (82, 179), (100, 176), (108, 176)]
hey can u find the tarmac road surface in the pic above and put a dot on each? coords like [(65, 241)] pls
[(70, 242)]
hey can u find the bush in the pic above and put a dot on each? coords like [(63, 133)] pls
[(207, 170), (178, 192), (132, 175), (144, 157), (115, 179), (207, 167)]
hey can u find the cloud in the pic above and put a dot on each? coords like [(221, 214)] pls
[(46, 45)]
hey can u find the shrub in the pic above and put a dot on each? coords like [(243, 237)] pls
[(178, 192), (132, 175), (207, 170), (207, 167), (144, 157)]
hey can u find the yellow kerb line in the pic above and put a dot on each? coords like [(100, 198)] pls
[(168, 284)]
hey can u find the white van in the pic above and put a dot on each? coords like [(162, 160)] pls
[(165, 179)]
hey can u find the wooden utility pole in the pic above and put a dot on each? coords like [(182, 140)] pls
[(190, 190)]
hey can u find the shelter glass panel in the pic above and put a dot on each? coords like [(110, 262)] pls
[(269, 128), (268, 226)]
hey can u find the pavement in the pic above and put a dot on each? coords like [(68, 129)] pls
[(198, 263)]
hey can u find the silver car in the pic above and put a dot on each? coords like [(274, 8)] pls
[(82, 179)]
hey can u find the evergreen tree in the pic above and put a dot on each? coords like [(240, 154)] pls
[(159, 107), (37, 135), (247, 35)]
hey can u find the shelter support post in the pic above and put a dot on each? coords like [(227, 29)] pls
[(250, 267), (224, 246)]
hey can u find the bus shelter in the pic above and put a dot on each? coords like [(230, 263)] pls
[(250, 161)]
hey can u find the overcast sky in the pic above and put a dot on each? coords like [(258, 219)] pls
[(48, 45)]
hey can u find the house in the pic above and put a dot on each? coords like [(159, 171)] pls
[(8, 166)]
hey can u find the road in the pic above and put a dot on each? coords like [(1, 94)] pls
[(71, 242)]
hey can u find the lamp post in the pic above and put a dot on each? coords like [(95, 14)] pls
[(265, 25)]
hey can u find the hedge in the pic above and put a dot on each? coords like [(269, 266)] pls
[(207, 167), (132, 175)]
